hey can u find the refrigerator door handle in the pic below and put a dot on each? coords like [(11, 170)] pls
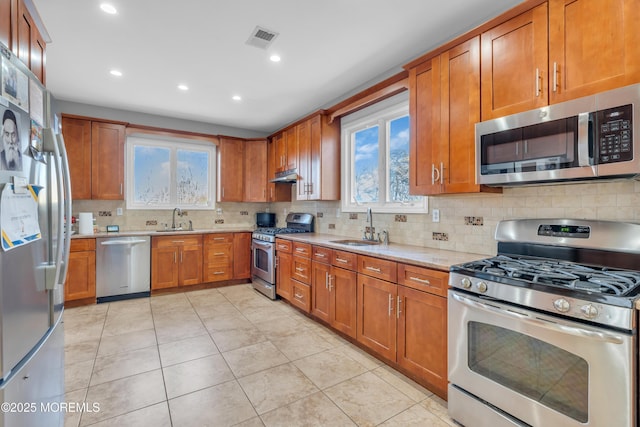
[(66, 219)]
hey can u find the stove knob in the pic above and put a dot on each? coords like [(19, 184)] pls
[(466, 283), (589, 311), (562, 305), (482, 287)]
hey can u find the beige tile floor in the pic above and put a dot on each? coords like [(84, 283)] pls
[(225, 357)]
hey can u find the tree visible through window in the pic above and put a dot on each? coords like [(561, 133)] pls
[(376, 162), (167, 175)]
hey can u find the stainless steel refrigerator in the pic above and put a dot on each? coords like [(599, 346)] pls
[(35, 207)]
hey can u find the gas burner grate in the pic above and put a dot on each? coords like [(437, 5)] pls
[(564, 274)]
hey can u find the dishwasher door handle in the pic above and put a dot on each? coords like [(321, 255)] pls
[(122, 242)]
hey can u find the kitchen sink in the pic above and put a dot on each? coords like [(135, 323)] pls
[(168, 230), (356, 242)]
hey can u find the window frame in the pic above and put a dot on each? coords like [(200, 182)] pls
[(381, 115), (174, 145)]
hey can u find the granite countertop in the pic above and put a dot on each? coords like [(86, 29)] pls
[(155, 233), (438, 259)]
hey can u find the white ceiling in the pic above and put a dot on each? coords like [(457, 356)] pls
[(329, 49)]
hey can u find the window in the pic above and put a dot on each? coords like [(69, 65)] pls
[(375, 145), (165, 174)]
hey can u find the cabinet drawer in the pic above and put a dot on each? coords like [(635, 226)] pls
[(301, 295), (217, 273), (218, 238), (79, 245), (302, 249), (376, 267), (301, 269), (346, 260), (180, 240), (283, 245), (423, 279), (321, 254)]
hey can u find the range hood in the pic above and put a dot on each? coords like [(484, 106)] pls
[(289, 176)]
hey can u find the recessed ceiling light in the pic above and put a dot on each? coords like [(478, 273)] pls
[(108, 8), (116, 73), (236, 98), (183, 87), (274, 58)]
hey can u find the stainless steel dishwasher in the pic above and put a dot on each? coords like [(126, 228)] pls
[(123, 267)]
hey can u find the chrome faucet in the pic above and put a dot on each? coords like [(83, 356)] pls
[(369, 235), (173, 217)]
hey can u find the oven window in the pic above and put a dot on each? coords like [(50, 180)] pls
[(261, 259), (540, 371)]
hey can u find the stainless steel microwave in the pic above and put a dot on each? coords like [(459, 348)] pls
[(586, 138)]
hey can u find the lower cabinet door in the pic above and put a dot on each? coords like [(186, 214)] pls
[(342, 285), (190, 265), (422, 336), (81, 276), (283, 275), (301, 295), (321, 298), (164, 267), (377, 316)]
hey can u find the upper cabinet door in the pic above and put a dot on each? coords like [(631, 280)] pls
[(231, 170), (107, 161), (77, 138), (460, 74), (514, 65), (594, 46), (6, 19), (255, 169), (424, 142)]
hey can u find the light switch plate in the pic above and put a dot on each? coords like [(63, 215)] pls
[(435, 215)]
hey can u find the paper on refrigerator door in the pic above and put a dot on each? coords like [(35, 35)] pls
[(19, 216)]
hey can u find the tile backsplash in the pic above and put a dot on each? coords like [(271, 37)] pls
[(467, 221)]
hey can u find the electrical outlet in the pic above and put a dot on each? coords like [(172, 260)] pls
[(435, 215), (119, 211)]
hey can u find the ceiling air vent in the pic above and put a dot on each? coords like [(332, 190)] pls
[(261, 37)]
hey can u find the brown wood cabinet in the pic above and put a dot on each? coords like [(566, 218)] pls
[(255, 170), (558, 51), (422, 336), (514, 65), (242, 255), (318, 159), (8, 12), (594, 45), (333, 289), (217, 257), (376, 315), (231, 170), (286, 149), (275, 192), (96, 158), (176, 261), (20, 34), (81, 274), (444, 106), (284, 261)]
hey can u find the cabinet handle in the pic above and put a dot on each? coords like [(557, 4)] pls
[(299, 269), (300, 250), (177, 241), (283, 247), (320, 255), (555, 76), (390, 305), (330, 283), (441, 173), (310, 187), (326, 279), (377, 270), (218, 253), (180, 257), (121, 188), (219, 272), (298, 296), (218, 238), (417, 279), (344, 261), (538, 82), (398, 310), (175, 259)]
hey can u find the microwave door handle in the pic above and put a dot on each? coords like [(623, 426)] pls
[(555, 327), (583, 140)]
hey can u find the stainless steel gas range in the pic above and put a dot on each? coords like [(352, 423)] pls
[(263, 269), (545, 333)]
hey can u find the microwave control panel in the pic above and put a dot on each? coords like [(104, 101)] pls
[(614, 134)]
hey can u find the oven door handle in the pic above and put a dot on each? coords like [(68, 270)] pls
[(564, 329), (262, 245)]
